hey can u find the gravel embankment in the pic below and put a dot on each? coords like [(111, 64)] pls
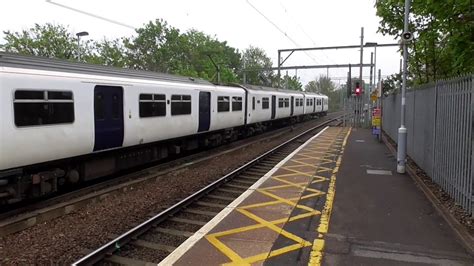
[(66, 238)]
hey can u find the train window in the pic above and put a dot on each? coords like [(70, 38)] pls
[(151, 105), (223, 104), (253, 103), (99, 108), (115, 107), (35, 108), (281, 102), (236, 104), (146, 97), (287, 102), (29, 95), (180, 104), (265, 103), (59, 95), (297, 102)]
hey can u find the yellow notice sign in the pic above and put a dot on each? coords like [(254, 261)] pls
[(376, 121), (373, 97)]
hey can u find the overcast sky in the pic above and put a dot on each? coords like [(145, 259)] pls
[(271, 25)]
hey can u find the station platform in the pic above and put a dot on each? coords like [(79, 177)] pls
[(336, 200)]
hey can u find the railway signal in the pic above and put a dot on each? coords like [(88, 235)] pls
[(357, 89)]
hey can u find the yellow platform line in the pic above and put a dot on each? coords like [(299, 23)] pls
[(317, 250)]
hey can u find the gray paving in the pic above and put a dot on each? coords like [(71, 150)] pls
[(382, 218)]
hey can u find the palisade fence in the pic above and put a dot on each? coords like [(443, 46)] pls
[(439, 119)]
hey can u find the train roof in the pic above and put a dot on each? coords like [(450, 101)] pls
[(51, 64), (258, 87)]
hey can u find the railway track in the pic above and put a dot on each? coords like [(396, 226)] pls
[(27, 215), (157, 237)]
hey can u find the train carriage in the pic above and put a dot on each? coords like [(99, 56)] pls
[(64, 123)]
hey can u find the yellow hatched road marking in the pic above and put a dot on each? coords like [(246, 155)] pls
[(323, 151)]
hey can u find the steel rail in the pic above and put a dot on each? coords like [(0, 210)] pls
[(140, 229)]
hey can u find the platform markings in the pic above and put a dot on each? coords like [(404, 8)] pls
[(378, 172), (317, 250), (190, 242), (308, 153)]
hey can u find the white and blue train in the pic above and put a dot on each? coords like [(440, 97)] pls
[(63, 123)]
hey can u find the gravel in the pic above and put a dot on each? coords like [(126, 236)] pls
[(164, 239), (63, 240)]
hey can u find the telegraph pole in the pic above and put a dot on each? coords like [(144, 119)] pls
[(402, 131)]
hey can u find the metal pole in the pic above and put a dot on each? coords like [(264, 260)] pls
[(361, 51), (78, 49), (375, 63), (278, 70), (402, 131), (379, 104), (359, 100), (371, 71), (369, 101), (245, 72)]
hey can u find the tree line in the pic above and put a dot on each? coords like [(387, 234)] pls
[(160, 47), (443, 45), (156, 46)]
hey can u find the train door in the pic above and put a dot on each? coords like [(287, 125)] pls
[(108, 117), (292, 104), (204, 111), (322, 104), (274, 100), (314, 105)]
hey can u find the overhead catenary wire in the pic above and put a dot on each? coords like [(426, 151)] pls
[(279, 29), (287, 13), (92, 15)]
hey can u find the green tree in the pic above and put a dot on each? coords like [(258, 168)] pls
[(109, 53), (43, 40), (443, 45), (324, 85), (160, 47), (291, 83), (200, 50), (155, 47), (391, 84), (256, 64)]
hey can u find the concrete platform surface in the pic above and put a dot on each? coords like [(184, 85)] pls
[(381, 217)]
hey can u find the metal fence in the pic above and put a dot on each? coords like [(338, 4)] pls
[(440, 133), (359, 110)]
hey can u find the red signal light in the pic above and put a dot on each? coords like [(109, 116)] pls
[(357, 91)]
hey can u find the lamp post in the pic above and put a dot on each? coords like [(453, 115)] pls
[(79, 35), (402, 131)]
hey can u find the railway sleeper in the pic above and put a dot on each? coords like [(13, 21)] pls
[(152, 245), (115, 259)]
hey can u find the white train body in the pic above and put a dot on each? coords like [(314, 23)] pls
[(53, 115)]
